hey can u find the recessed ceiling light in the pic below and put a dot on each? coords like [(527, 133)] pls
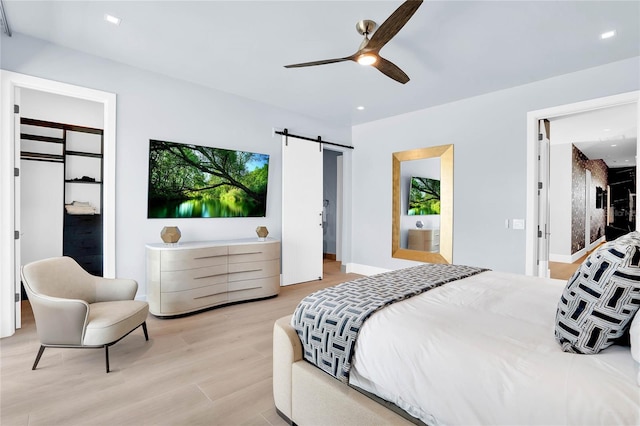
[(613, 144), (606, 130), (360, 108), (112, 19), (608, 34)]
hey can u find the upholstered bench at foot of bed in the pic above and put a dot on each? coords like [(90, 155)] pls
[(306, 395)]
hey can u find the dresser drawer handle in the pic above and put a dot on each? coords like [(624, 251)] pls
[(209, 276), (240, 254), (208, 295), (209, 257), (244, 289), (248, 270)]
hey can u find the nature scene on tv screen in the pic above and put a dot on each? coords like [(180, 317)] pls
[(424, 196), (188, 181)]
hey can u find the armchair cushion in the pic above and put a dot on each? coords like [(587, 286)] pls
[(109, 321)]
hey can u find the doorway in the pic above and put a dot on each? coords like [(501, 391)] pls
[(535, 219), (11, 84), (331, 182)]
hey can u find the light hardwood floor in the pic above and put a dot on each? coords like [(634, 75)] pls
[(564, 271), (212, 368)]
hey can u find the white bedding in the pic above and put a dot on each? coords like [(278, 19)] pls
[(482, 351)]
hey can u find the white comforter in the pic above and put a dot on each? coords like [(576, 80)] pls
[(482, 351)]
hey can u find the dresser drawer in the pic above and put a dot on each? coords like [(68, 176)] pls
[(176, 260), (253, 252), (193, 278), (192, 300), (254, 289), (253, 270)]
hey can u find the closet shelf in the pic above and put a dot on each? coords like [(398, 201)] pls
[(39, 156), (83, 181), (41, 138), (84, 154), (81, 233)]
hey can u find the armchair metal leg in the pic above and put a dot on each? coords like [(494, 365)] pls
[(106, 355), (144, 328), (35, 364)]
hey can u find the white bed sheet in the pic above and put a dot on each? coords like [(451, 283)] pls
[(482, 351)]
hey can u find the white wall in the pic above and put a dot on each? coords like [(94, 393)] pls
[(489, 134), (60, 109), (151, 106), (560, 196)]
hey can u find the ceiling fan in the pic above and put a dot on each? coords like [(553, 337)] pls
[(367, 53)]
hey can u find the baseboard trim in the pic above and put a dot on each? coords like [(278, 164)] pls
[(571, 258), (356, 268)]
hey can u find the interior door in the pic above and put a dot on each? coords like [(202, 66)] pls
[(543, 198), (301, 210), (16, 214)]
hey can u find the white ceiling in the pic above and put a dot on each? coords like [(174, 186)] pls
[(450, 49), (609, 134)]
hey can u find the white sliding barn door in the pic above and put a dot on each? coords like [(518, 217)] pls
[(301, 210)]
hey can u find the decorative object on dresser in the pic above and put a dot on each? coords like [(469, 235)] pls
[(262, 232), (170, 234), (196, 276)]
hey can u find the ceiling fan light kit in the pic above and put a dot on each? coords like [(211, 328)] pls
[(367, 59), (368, 52)]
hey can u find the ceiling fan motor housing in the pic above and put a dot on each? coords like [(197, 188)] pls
[(365, 27)]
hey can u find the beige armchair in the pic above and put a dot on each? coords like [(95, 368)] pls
[(74, 309)]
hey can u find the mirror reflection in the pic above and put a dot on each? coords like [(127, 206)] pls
[(420, 199), (422, 227)]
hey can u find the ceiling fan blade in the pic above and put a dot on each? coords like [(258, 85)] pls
[(326, 61), (393, 24), (391, 70)]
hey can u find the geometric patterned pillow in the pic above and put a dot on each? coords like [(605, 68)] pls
[(601, 298)]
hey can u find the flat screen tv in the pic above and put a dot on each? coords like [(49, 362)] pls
[(424, 196), (191, 181)]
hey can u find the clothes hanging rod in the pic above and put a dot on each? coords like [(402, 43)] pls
[(285, 132)]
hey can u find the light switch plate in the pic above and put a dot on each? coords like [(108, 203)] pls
[(518, 224)]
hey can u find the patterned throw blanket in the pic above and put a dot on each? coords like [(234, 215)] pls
[(328, 321)]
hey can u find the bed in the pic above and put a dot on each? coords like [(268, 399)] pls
[(476, 350)]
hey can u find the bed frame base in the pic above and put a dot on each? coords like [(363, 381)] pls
[(306, 395), (285, 418)]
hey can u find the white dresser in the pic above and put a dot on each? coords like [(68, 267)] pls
[(188, 277)]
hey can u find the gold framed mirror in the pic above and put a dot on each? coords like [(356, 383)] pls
[(439, 250)]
